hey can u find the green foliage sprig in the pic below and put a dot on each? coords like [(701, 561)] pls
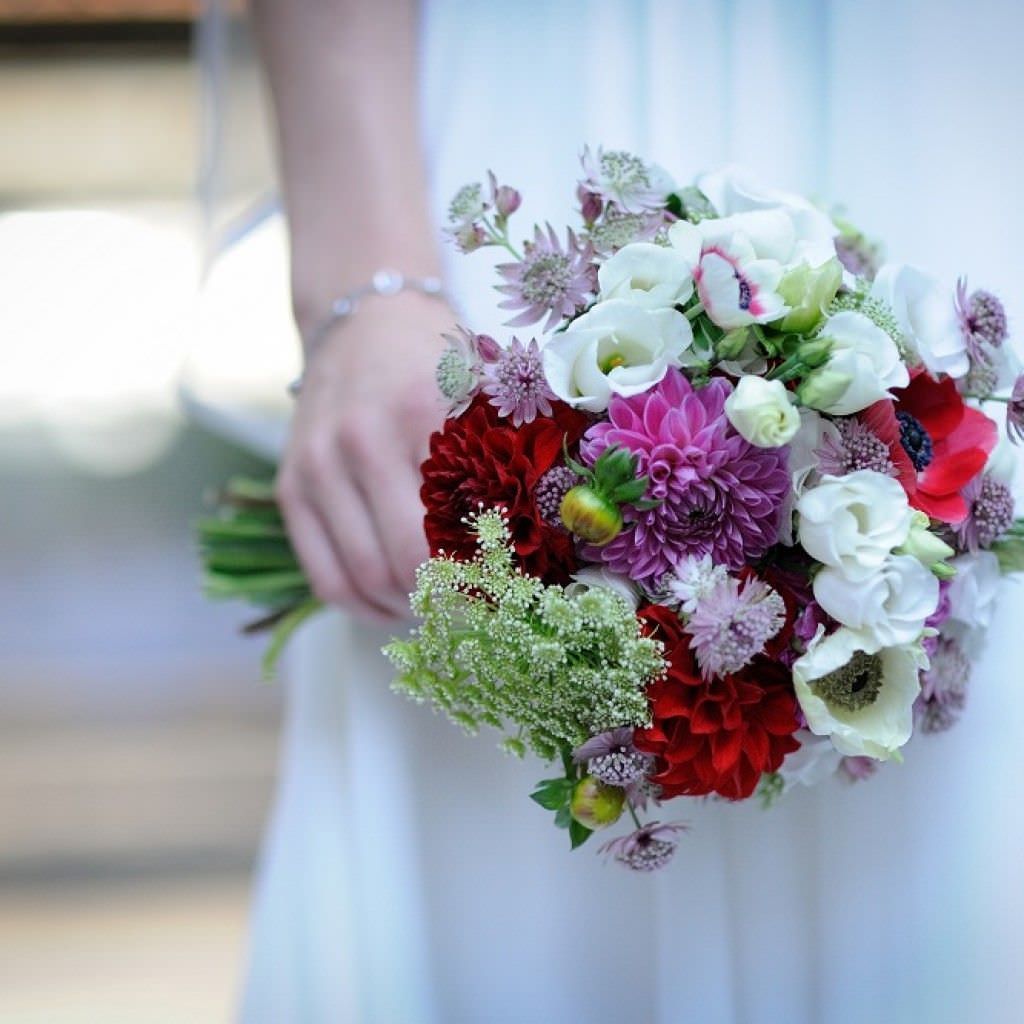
[(496, 647)]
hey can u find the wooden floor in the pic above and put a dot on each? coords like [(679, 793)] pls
[(151, 952)]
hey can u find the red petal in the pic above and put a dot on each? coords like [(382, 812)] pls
[(937, 405), (949, 472), (947, 508)]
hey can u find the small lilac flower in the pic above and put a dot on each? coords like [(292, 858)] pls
[(980, 380), (549, 280), (618, 177), (459, 370), (551, 488), (858, 255), (467, 205), (612, 758), (857, 769), (648, 848), (943, 688), (468, 237), (618, 229), (516, 383), (733, 623), (1015, 412), (590, 204), (989, 515), (982, 319), (689, 582), (505, 199), (857, 447)]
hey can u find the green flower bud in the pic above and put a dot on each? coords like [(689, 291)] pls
[(943, 570), (591, 516), (596, 805), (731, 345), (815, 352), (823, 387), (808, 291), (928, 548)]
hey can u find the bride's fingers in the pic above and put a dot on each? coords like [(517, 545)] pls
[(312, 545), (394, 502), (343, 509)]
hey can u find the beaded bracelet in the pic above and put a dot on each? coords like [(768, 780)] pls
[(383, 282)]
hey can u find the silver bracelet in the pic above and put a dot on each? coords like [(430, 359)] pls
[(383, 282)]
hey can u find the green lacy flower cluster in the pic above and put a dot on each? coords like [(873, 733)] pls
[(500, 648)]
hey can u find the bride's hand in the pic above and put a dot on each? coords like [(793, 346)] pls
[(349, 481)]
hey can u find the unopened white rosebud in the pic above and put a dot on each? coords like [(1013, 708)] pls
[(762, 412)]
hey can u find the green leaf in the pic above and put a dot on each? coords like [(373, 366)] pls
[(631, 491), (239, 527), (283, 631), (553, 794), (578, 834), (674, 204), (647, 504), (1010, 552)]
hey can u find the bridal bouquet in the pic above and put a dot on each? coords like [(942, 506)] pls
[(730, 519)]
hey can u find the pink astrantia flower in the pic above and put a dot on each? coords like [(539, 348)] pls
[(648, 848), (516, 384), (989, 513), (622, 179), (732, 623), (549, 281), (735, 287), (717, 493)]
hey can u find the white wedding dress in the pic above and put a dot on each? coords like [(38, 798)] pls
[(406, 877)]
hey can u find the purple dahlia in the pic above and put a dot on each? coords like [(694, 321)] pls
[(719, 494)]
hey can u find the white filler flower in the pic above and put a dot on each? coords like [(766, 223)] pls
[(617, 348), (859, 694)]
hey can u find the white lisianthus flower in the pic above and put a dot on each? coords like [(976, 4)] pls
[(973, 594), (891, 605), (864, 357), (648, 275), (926, 313), (601, 576), (815, 761), (859, 694), (734, 191), (762, 412), (616, 348), (853, 522)]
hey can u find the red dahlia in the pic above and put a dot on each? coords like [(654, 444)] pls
[(947, 441), (715, 736), (481, 458)]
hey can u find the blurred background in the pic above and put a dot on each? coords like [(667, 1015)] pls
[(137, 743)]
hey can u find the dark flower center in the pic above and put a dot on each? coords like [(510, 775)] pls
[(745, 293), (854, 686), (916, 441)]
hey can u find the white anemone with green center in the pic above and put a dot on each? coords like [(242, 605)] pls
[(859, 694)]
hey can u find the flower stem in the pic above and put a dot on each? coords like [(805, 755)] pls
[(1005, 399), (632, 814), (500, 238), (694, 311)]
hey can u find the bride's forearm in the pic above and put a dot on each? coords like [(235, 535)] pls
[(343, 76)]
